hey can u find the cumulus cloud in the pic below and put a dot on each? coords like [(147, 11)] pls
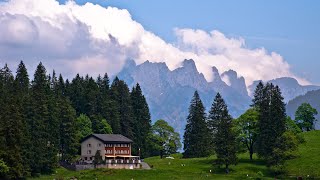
[(94, 39)]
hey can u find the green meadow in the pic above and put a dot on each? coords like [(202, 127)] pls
[(306, 165)]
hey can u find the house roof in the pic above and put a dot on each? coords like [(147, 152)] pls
[(110, 138)]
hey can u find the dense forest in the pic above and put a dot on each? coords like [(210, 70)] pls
[(43, 120)]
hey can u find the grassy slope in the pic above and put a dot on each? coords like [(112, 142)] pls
[(197, 168), (308, 163)]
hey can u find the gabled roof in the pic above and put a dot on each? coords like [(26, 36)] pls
[(110, 138)]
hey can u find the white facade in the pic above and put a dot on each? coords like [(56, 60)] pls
[(89, 148)]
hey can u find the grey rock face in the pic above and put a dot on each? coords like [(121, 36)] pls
[(290, 87), (169, 92)]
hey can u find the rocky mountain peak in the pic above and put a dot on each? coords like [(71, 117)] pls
[(238, 83)]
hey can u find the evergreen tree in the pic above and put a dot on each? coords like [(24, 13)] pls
[(11, 130), (114, 115), (141, 122), (22, 85), (90, 97), (69, 141), (258, 95), (97, 159), (196, 136), (224, 138), (104, 99), (39, 118), (122, 96), (76, 93), (262, 104), (272, 118)]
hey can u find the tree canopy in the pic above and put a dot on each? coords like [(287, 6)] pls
[(305, 117), (165, 140)]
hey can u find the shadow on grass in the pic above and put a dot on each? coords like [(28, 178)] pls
[(254, 161)]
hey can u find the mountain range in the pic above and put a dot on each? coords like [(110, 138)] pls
[(312, 97), (169, 93)]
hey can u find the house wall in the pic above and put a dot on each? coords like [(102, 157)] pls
[(88, 151)]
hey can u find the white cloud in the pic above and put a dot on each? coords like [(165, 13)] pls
[(93, 39)]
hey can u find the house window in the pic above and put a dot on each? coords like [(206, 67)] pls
[(85, 158), (91, 158), (88, 145), (99, 145), (89, 152)]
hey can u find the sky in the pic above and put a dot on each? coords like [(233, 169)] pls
[(275, 38)]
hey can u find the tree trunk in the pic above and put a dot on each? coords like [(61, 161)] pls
[(251, 150), (227, 168)]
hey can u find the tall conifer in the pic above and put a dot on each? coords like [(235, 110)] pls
[(224, 138), (196, 136), (142, 122), (11, 130)]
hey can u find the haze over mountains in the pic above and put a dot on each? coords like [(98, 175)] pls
[(311, 97), (169, 92)]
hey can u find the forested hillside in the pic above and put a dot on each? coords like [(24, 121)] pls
[(42, 120)]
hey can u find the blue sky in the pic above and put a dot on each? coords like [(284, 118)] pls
[(288, 27), (76, 38)]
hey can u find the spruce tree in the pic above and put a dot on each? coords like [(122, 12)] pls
[(114, 115), (272, 118), (141, 122), (196, 136), (90, 97), (38, 122), (11, 130), (76, 93), (224, 138), (104, 99), (22, 85), (258, 95), (125, 109), (69, 141)]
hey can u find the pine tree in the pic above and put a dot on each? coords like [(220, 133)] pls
[(11, 122), (114, 115), (141, 122), (272, 118), (76, 93), (224, 138), (261, 102), (196, 136), (104, 100), (90, 97), (22, 85), (69, 141), (38, 122), (125, 109), (258, 95)]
